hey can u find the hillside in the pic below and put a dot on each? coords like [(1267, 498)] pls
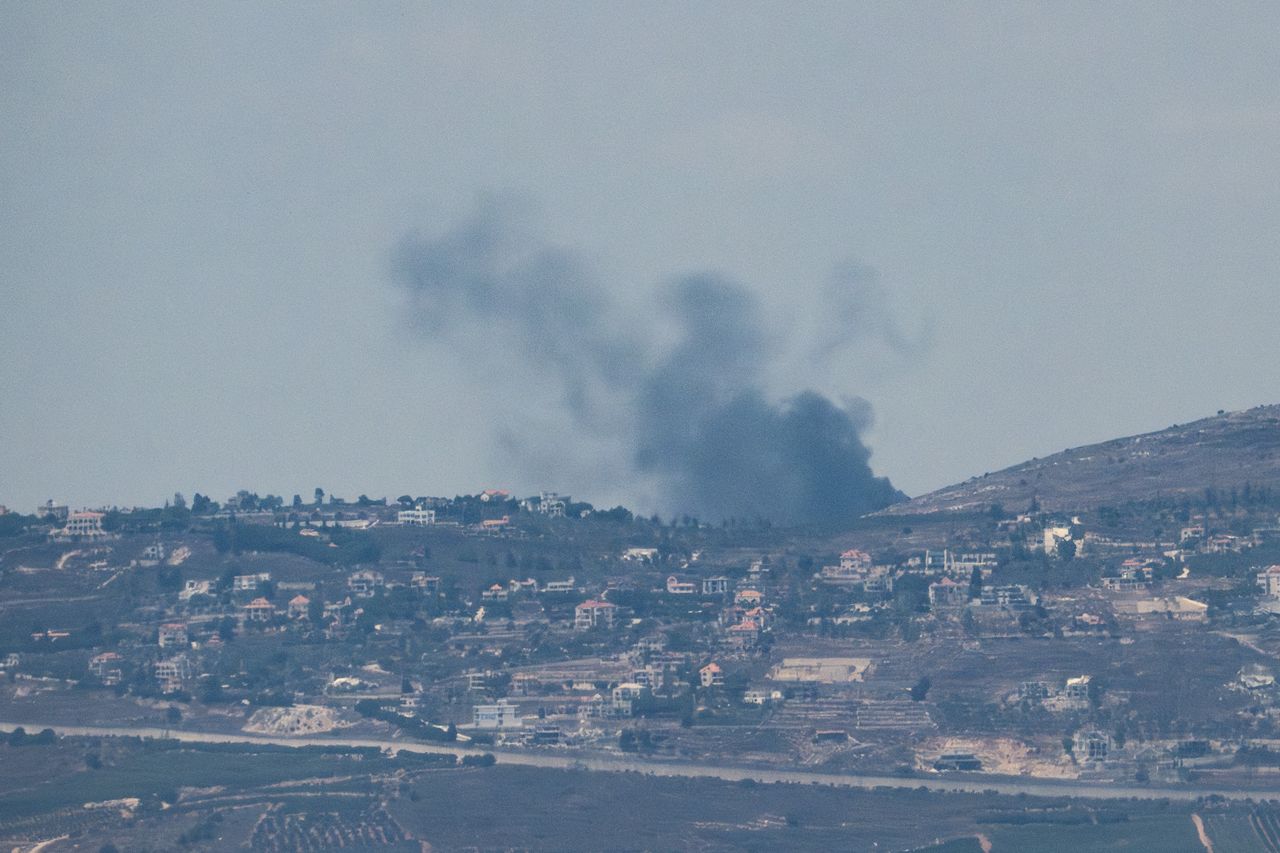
[(1221, 452)]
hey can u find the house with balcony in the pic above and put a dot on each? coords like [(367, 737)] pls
[(366, 582), (258, 610), (594, 614), (173, 634)]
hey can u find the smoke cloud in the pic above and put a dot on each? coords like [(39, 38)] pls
[(678, 392)]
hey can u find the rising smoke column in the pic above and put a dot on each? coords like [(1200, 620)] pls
[(693, 416), (704, 424)]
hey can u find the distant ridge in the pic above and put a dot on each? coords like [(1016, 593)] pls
[(1221, 452)]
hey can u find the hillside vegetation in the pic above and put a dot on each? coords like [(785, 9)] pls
[(1237, 450)]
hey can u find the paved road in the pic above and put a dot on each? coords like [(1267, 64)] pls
[(552, 760)]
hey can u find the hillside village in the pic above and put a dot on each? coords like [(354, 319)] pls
[(1121, 643)]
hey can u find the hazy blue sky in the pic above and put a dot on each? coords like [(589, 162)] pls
[(1072, 210)]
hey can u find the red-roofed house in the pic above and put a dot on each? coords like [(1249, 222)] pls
[(1269, 580), (711, 675), (259, 610), (299, 607), (948, 593), (592, 614)]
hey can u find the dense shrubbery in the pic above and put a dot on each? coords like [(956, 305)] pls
[(410, 725), (19, 737), (353, 547), (13, 524)]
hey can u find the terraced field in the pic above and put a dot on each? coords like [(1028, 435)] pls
[(1253, 829)]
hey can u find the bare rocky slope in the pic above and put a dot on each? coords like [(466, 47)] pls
[(1223, 452)]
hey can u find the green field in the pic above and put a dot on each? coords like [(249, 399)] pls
[(153, 771), (299, 800), (1171, 833)]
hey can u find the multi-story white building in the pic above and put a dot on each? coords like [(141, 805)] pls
[(625, 696), (948, 593), (84, 524), (715, 586), (417, 517), (365, 582), (552, 504), (299, 607), (1269, 581), (173, 673), (593, 614), (173, 634), (854, 561), (500, 715), (429, 584), (59, 512), (106, 667), (249, 583), (259, 610)]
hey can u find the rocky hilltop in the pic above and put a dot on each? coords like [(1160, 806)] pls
[(1223, 452)]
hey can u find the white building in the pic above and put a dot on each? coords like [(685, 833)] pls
[(49, 508), (500, 715), (1269, 581), (948, 593), (249, 583), (854, 560), (949, 562), (1091, 746), (625, 696), (107, 668), (552, 504), (593, 614), (1077, 688), (173, 634), (675, 586), (1054, 537), (365, 582), (194, 588), (173, 673), (429, 584), (417, 517), (84, 524), (259, 610), (715, 586)]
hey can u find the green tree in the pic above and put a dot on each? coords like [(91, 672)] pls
[(975, 583)]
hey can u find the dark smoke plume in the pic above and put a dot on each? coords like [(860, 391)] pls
[(691, 414)]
